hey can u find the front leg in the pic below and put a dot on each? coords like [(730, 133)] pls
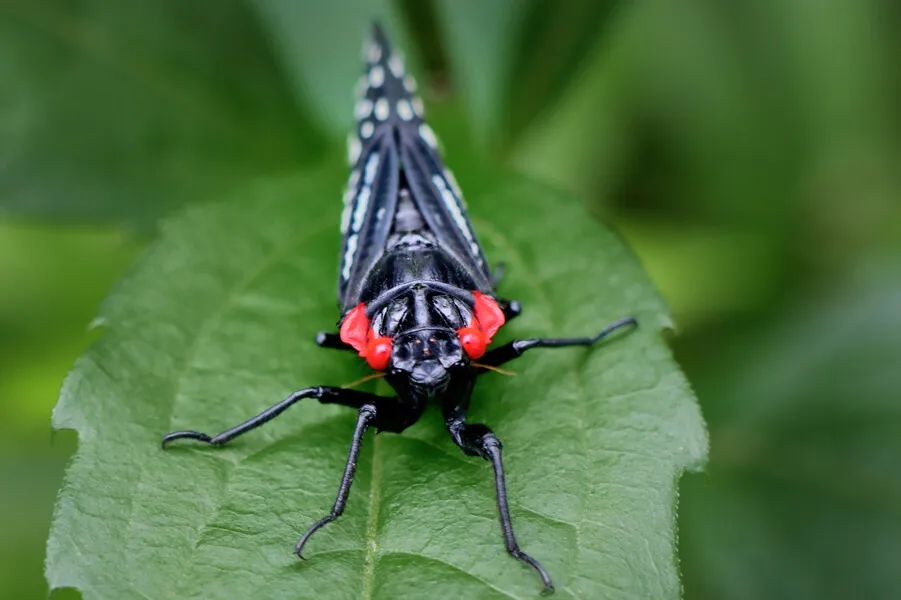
[(365, 418), (325, 394), (386, 414), (516, 348), (478, 440), (324, 339)]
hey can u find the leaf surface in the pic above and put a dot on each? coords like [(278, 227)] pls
[(216, 323), (122, 109)]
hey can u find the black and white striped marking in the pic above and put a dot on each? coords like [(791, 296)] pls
[(386, 101), (374, 100), (455, 206), (355, 213)]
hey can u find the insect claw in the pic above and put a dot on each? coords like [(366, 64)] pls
[(298, 549), (545, 578), (191, 435), (614, 327)]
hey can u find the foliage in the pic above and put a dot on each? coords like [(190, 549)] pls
[(217, 321), (803, 485), (746, 150), (124, 110)]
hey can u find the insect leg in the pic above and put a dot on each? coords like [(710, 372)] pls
[(325, 339), (478, 440), (325, 394), (517, 348), (365, 417), (511, 308)]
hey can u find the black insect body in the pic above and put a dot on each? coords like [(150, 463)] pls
[(416, 295)]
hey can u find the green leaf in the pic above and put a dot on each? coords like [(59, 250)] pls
[(480, 42), (319, 44), (803, 483), (217, 322), (120, 110), (516, 59)]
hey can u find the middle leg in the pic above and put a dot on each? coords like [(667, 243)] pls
[(516, 348)]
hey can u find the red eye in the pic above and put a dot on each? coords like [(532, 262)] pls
[(378, 353), (473, 342)]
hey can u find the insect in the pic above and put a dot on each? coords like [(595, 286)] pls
[(415, 291)]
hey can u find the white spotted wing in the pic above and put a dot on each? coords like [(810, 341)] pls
[(393, 147)]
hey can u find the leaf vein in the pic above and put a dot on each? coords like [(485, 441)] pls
[(425, 558)]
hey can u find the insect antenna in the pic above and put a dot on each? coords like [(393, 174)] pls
[(495, 369), (363, 380)]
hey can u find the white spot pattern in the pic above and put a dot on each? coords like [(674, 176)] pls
[(372, 166), (453, 206), (359, 212), (418, 108), (363, 109), (426, 133), (404, 110), (453, 181), (396, 64), (382, 110), (349, 256), (354, 148), (348, 196), (374, 52), (345, 218), (376, 76), (368, 111)]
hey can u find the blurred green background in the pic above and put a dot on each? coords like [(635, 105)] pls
[(748, 150)]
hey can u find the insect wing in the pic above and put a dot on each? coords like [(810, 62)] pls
[(370, 202), (391, 140), (438, 198)]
